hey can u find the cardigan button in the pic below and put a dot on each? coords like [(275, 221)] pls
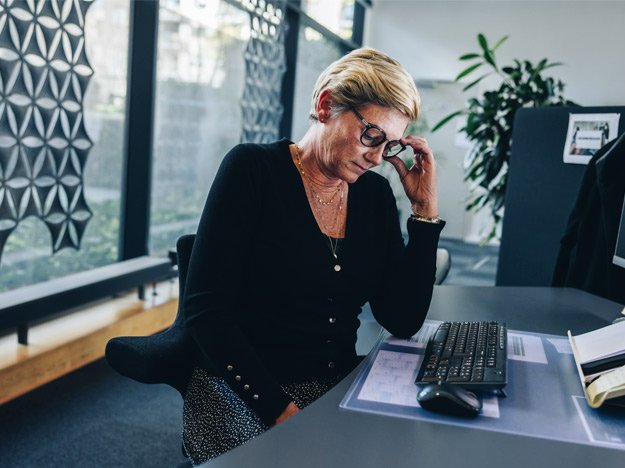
[(238, 378), (332, 320), (246, 387), (331, 365), (229, 368), (255, 396)]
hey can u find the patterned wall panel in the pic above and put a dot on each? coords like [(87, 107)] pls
[(265, 64), (44, 145)]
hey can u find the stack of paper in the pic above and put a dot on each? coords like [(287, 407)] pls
[(602, 349), (600, 359)]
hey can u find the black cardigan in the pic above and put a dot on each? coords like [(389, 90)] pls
[(263, 300)]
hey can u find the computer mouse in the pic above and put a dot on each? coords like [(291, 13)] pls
[(449, 399)]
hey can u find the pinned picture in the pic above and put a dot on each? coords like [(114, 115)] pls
[(587, 134)]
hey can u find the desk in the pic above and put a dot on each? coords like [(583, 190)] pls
[(323, 435)]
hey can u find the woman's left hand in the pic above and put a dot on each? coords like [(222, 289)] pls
[(419, 181)]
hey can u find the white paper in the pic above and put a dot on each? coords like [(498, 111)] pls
[(587, 133), (563, 346), (526, 348), (602, 343), (391, 379)]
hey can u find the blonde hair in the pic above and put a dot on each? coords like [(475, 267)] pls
[(367, 76)]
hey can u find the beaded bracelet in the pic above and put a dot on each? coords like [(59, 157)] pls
[(426, 219)]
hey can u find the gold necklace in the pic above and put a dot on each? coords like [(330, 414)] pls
[(333, 246), (339, 188)]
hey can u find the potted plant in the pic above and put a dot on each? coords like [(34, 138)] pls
[(490, 119)]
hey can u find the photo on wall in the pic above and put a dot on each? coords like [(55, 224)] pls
[(587, 133)]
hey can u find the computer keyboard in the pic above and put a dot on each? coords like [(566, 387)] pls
[(473, 355)]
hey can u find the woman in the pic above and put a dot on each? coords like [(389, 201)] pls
[(295, 238)]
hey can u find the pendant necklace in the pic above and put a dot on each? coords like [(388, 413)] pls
[(334, 242), (334, 245)]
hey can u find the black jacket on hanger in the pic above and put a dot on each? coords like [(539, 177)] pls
[(587, 247)]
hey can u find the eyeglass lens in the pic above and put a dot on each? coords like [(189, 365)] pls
[(393, 148)]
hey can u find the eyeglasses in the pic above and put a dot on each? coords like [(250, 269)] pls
[(373, 136)]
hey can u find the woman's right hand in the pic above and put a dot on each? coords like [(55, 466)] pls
[(287, 413), (419, 181)]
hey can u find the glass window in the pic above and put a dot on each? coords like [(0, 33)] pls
[(27, 256), (336, 15), (314, 54), (200, 80)]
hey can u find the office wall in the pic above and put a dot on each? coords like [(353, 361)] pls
[(429, 36)]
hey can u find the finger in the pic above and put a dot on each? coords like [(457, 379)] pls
[(417, 143), (422, 152), (399, 165)]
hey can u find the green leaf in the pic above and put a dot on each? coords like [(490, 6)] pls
[(537, 70), (446, 119), (501, 41), (482, 41), (555, 64), (474, 203), (469, 56), (473, 83), (468, 70), (490, 58), (498, 203)]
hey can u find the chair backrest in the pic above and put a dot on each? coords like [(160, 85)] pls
[(443, 264), (540, 194), (167, 357), (184, 246)]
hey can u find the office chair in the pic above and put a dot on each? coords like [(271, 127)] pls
[(443, 264), (166, 357)]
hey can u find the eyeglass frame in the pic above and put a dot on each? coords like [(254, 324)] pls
[(386, 147)]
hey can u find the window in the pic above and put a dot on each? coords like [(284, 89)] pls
[(315, 53), (336, 15), (200, 80), (27, 255)]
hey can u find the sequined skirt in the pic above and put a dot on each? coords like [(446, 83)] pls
[(216, 420)]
